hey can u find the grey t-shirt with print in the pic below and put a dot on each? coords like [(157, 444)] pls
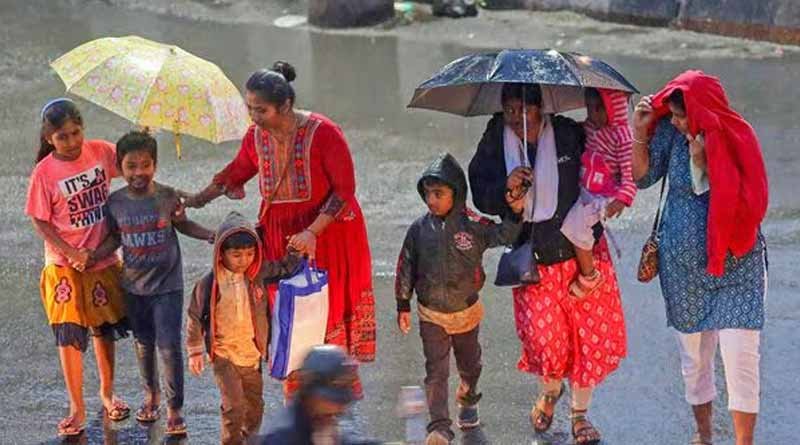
[(151, 254)]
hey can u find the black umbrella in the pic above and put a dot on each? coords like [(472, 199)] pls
[(471, 85)]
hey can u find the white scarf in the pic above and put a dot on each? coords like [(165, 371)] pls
[(542, 198)]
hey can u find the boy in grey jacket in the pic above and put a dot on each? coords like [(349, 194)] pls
[(441, 260)]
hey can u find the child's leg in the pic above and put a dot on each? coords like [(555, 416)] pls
[(585, 261), (577, 228), (72, 368), (436, 347), (140, 314), (233, 401), (104, 354), (467, 351), (167, 310), (253, 386)]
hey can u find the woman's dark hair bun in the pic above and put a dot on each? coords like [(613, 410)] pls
[(286, 69)]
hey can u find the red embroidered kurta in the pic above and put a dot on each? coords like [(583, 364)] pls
[(319, 178)]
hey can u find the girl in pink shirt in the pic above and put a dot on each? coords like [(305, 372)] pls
[(607, 185), (81, 295)]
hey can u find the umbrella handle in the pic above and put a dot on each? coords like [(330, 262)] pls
[(178, 144)]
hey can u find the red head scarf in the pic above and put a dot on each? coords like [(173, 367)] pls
[(736, 171)]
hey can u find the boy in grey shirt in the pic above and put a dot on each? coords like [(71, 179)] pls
[(142, 218)]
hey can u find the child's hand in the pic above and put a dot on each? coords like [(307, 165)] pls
[(179, 211), (189, 200), (211, 238), (197, 363), (615, 208), (404, 322), (78, 258), (92, 260)]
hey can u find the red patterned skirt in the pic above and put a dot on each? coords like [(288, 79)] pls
[(582, 340)]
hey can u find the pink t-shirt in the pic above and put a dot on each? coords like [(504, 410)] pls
[(71, 195)]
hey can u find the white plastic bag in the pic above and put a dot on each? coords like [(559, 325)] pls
[(299, 319)]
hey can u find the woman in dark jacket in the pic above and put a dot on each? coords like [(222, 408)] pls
[(582, 340)]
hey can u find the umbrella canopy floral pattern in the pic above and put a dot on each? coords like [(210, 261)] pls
[(156, 85)]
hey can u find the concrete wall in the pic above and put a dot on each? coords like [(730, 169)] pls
[(349, 13), (650, 12), (776, 20)]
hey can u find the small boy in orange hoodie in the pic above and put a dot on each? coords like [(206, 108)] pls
[(228, 323)]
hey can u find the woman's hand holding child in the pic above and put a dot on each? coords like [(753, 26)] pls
[(305, 242)]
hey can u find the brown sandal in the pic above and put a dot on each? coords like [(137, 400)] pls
[(540, 420), (585, 435)]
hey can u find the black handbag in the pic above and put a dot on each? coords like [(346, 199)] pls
[(517, 266)]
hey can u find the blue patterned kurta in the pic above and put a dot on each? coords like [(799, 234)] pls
[(696, 301)]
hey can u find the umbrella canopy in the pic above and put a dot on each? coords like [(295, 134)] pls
[(156, 85), (471, 85)]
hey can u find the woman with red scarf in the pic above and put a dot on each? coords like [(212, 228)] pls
[(307, 183), (712, 255)]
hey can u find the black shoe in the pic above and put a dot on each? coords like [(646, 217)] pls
[(468, 416)]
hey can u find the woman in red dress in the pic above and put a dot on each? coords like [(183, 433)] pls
[(307, 183)]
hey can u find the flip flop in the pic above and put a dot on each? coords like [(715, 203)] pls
[(697, 440), (148, 413), (119, 410), (175, 427), (68, 428)]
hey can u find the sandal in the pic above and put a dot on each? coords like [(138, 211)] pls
[(148, 413), (585, 435), (540, 420), (119, 410), (175, 427), (68, 427), (583, 286), (698, 440)]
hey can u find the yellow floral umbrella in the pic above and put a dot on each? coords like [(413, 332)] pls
[(156, 85)]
